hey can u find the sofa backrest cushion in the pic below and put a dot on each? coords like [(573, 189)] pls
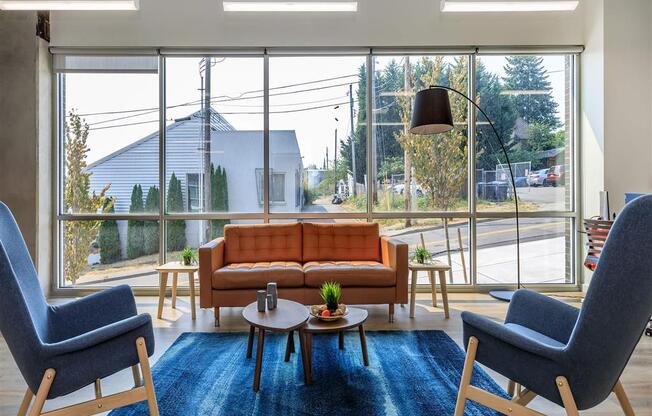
[(262, 242), (344, 242)]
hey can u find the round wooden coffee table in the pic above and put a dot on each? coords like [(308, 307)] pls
[(354, 319), (287, 317)]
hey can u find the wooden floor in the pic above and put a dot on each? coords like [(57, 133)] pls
[(637, 378)]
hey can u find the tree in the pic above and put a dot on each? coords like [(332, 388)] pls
[(135, 233), (501, 112), (176, 237), (438, 163), (79, 235), (219, 199), (527, 73), (109, 237), (151, 228)]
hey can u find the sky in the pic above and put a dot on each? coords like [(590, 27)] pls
[(237, 84)]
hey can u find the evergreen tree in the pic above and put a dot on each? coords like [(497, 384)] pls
[(527, 73), (176, 237), (501, 112), (151, 228), (109, 237), (219, 199), (135, 234)]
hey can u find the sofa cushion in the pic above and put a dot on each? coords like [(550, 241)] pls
[(349, 273), (262, 242), (341, 242), (257, 275)]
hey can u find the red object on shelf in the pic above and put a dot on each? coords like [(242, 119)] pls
[(597, 232)]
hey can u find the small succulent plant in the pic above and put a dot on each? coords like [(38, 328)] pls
[(331, 293), (188, 256), (421, 255)]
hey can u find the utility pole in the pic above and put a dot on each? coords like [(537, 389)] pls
[(206, 124), (407, 174), (355, 181), (335, 161)]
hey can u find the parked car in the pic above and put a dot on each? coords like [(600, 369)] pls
[(398, 189), (537, 177), (555, 176)]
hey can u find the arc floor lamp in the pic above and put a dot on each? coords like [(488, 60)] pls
[(432, 115)]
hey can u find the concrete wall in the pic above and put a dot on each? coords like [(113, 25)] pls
[(200, 23), (25, 134)]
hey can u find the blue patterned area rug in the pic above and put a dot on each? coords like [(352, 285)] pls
[(410, 373)]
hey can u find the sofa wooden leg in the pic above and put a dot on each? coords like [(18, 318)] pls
[(217, 316), (567, 396), (511, 388), (391, 312), (24, 405), (623, 400)]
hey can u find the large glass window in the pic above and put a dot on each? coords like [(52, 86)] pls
[(415, 172), (318, 126), (335, 131)]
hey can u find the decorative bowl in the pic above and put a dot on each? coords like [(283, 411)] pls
[(316, 310)]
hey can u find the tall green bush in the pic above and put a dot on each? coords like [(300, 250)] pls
[(151, 229), (135, 233), (109, 237), (176, 237), (219, 199)]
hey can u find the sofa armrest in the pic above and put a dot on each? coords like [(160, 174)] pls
[(211, 258), (394, 254)]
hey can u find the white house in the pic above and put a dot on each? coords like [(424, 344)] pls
[(239, 153)]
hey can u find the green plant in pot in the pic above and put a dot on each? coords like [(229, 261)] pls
[(421, 255), (331, 293), (188, 257)]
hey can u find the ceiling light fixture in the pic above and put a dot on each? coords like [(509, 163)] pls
[(290, 6), (508, 6), (69, 5)]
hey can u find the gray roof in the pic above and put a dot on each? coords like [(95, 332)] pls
[(218, 123)]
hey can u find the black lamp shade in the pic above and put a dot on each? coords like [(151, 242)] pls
[(432, 112)]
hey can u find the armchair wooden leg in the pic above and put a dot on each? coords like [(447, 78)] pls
[(217, 316), (467, 372), (623, 400), (43, 391), (136, 373), (511, 388), (147, 376), (24, 405), (567, 396), (98, 389), (391, 312)]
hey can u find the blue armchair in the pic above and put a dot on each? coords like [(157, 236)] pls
[(60, 349), (569, 356)]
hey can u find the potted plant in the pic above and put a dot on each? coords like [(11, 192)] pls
[(188, 257), (332, 309), (421, 255)]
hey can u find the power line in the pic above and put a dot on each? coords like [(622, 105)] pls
[(229, 97), (231, 113)]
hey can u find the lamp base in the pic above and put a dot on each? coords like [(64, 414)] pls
[(504, 295)]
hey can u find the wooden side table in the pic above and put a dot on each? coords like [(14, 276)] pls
[(432, 267), (175, 268)]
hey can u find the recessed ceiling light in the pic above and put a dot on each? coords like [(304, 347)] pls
[(508, 6), (68, 4), (290, 6)]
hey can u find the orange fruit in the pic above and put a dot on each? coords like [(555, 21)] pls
[(325, 313)]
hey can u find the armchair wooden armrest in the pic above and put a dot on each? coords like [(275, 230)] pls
[(211, 258)]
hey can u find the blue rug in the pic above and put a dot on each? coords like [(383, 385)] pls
[(410, 373)]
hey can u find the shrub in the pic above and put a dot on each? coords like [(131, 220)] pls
[(135, 233), (109, 237), (176, 236)]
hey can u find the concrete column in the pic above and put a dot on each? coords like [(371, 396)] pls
[(25, 134)]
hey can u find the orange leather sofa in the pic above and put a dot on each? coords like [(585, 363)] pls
[(372, 269)]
